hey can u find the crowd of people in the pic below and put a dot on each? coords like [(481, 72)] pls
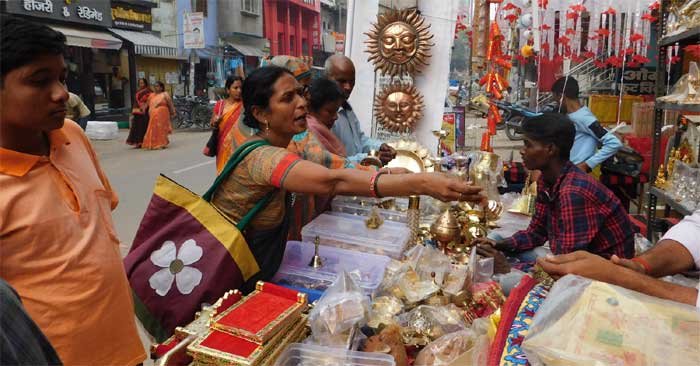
[(64, 286)]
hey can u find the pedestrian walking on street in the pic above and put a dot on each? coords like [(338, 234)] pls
[(60, 251), (226, 114), (139, 114), (160, 110)]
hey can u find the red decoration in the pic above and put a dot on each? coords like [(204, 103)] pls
[(654, 6), (578, 8), (599, 64), (564, 40), (636, 37), (693, 51), (512, 18), (603, 32), (570, 15), (510, 6), (610, 11), (486, 142), (588, 54), (570, 31), (546, 27), (614, 61), (543, 3)]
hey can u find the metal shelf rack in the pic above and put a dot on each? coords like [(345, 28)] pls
[(689, 36)]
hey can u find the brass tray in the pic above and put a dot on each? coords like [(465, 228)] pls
[(408, 160)]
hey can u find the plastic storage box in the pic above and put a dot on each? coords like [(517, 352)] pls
[(353, 206), (298, 354), (350, 232), (296, 273)]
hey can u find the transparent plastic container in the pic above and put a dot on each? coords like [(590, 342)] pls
[(353, 207), (298, 354), (295, 271), (350, 232)]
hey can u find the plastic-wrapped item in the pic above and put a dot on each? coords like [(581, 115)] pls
[(350, 232), (425, 323), (339, 311), (433, 265), (607, 325), (384, 309), (464, 348), (295, 270), (356, 208), (641, 244), (414, 289), (298, 354), (389, 341)]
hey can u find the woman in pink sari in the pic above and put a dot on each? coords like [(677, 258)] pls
[(160, 109), (226, 114)]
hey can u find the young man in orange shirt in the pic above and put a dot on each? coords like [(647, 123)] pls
[(57, 240)]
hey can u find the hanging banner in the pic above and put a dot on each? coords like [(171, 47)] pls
[(193, 29)]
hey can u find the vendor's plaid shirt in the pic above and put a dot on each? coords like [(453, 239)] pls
[(577, 213)]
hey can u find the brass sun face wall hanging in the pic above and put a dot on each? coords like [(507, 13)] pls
[(399, 43), (399, 107)]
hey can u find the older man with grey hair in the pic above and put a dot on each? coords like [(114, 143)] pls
[(347, 127)]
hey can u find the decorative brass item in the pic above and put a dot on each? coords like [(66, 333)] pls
[(416, 148), (374, 220), (316, 261), (441, 135), (399, 107), (660, 178), (408, 160), (399, 43), (413, 219), (525, 205), (372, 159), (485, 173), (445, 229)]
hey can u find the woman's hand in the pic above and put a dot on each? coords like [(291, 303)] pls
[(446, 189)]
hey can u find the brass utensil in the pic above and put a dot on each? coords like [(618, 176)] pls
[(316, 261)]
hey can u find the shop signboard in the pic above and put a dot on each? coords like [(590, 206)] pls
[(448, 124), (639, 81), (193, 29), (129, 16), (93, 12)]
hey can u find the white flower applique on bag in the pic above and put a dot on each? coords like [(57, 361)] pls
[(176, 267)]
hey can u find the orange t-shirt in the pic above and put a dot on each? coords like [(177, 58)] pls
[(59, 250)]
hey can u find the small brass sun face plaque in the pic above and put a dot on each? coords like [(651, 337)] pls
[(399, 43), (399, 107)]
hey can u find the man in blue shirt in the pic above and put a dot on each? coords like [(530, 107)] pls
[(347, 127), (589, 133)]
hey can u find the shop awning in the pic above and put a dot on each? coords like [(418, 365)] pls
[(146, 44), (89, 38), (247, 50)]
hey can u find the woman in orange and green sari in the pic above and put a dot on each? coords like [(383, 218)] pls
[(160, 109), (226, 114)]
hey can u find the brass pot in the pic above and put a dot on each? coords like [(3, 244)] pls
[(446, 228), (484, 173)]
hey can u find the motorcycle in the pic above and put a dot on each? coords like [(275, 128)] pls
[(514, 115)]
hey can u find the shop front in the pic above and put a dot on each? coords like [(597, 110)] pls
[(148, 56), (95, 64)]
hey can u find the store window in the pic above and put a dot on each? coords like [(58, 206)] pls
[(200, 6), (250, 6)]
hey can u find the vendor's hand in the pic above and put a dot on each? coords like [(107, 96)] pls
[(447, 189), (583, 166), (484, 242), (580, 263), (637, 267), (500, 263), (386, 153)]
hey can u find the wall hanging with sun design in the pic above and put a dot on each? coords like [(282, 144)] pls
[(399, 43), (398, 107)]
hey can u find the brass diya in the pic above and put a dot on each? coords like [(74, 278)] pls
[(445, 229), (441, 135)]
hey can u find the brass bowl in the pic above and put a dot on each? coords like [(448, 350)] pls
[(408, 160)]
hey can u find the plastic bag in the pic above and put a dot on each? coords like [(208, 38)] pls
[(607, 325), (426, 323), (341, 309), (465, 348)]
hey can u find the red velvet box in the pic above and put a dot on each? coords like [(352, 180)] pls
[(262, 314)]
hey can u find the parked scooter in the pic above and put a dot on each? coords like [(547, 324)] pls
[(514, 115)]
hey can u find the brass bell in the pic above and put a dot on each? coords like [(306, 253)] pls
[(316, 261)]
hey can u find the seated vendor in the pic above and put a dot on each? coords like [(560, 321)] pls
[(678, 251), (340, 69), (573, 211)]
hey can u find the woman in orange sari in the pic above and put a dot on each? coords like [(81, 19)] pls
[(226, 114), (160, 109)]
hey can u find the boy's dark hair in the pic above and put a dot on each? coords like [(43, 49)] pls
[(567, 87), (551, 128), (258, 89), (23, 41), (324, 91)]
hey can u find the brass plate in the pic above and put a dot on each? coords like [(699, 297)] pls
[(407, 159)]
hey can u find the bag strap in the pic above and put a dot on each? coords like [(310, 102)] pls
[(235, 159)]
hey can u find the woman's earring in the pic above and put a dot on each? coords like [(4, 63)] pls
[(267, 126)]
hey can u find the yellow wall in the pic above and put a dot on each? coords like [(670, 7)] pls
[(157, 67)]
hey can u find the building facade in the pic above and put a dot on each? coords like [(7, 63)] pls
[(293, 27), (241, 34), (333, 24)]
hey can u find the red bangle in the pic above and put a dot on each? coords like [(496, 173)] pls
[(643, 263), (373, 186)]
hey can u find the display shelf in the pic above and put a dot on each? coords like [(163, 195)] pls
[(678, 106), (688, 35), (664, 196)]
